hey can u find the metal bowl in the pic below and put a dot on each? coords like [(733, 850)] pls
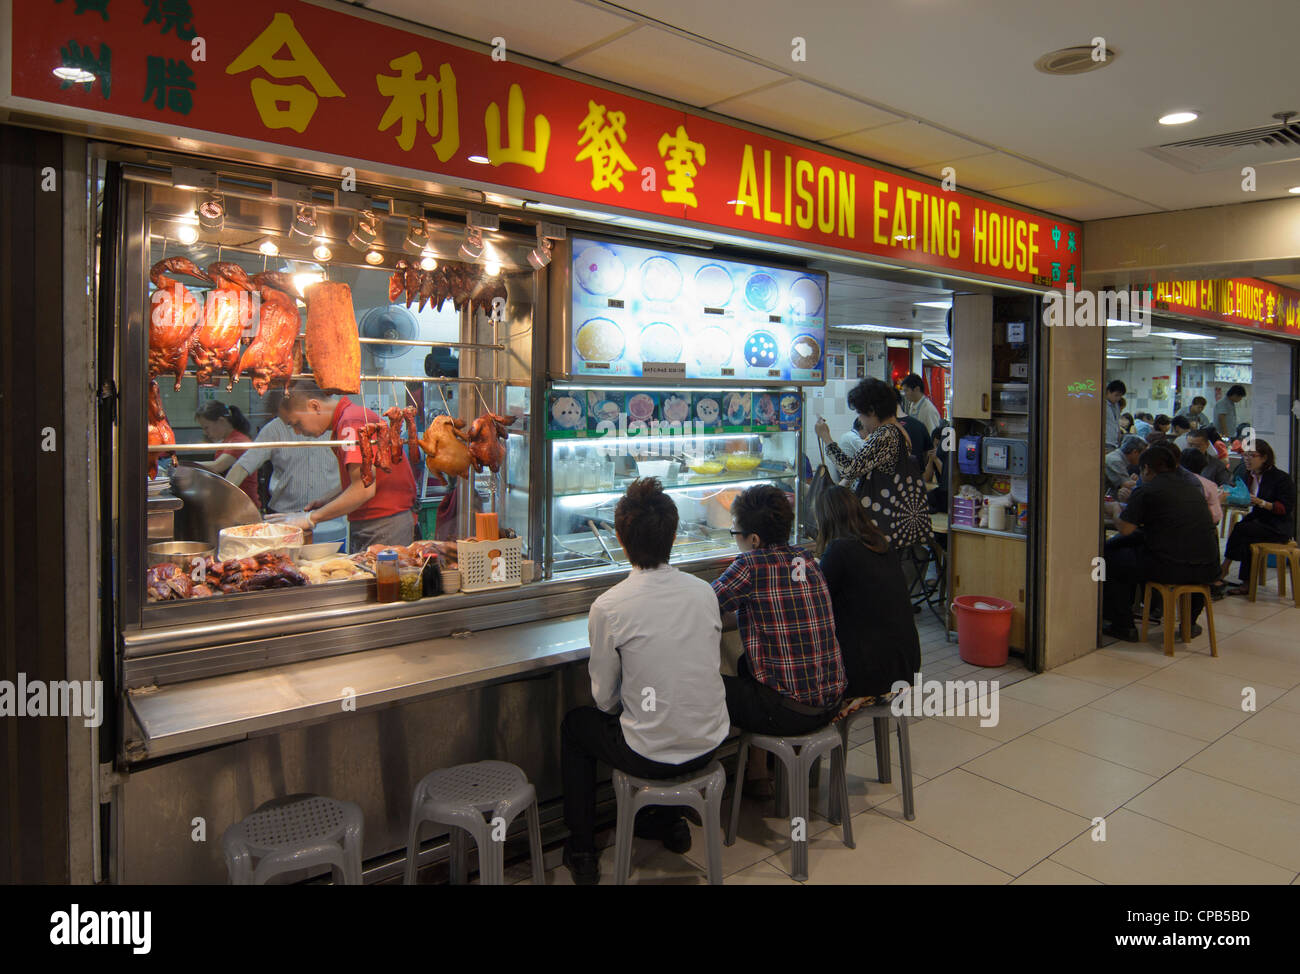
[(179, 553)]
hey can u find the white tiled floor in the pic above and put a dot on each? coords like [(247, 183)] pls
[(1160, 755)]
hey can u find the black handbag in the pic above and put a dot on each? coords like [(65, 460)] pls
[(821, 482)]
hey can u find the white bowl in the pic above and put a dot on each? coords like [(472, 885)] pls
[(321, 549)]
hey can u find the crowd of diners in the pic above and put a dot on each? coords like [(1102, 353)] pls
[(1169, 481), (822, 632)]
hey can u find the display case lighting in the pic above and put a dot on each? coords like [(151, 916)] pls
[(374, 257), (365, 230), (212, 212), (428, 262), (268, 246), (187, 233), (322, 251), (472, 248), (304, 224), (417, 237)]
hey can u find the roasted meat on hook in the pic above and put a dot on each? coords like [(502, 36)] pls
[(160, 431), (444, 447), (485, 436), (271, 356), (174, 316), (397, 282), (227, 314)]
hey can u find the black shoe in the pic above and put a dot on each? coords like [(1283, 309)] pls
[(693, 816), (1129, 635), (584, 867), (678, 837)]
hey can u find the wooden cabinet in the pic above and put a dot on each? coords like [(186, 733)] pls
[(985, 564), (972, 356)]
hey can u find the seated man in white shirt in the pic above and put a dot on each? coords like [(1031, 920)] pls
[(661, 709)]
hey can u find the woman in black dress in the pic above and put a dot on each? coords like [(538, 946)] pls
[(873, 614), (1271, 517)]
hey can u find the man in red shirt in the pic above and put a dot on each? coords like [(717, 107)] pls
[(382, 513)]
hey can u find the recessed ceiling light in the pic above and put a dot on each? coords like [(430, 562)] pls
[(932, 304), (1294, 189), (481, 160), (187, 233), (322, 252), (374, 257), (428, 263), (269, 247), (1178, 118)]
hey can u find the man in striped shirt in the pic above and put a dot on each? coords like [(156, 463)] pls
[(791, 676)]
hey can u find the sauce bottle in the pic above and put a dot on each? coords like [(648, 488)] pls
[(387, 584)]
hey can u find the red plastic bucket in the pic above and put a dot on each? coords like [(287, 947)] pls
[(983, 629)]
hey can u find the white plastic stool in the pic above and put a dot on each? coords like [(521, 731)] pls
[(797, 757), (310, 831), (460, 797), (701, 791)]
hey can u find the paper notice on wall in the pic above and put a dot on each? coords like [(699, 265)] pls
[(877, 356), (1263, 410)]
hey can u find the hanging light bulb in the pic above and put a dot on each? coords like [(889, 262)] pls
[(269, 247), (212, 212), (365, 230), (303, 227), (322, 251)]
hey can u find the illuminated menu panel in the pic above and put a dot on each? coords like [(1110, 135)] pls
[(660, 314)]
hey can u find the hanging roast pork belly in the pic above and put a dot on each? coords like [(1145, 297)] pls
[(333, 348)]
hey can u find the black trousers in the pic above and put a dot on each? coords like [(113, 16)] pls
[(758, 708), (1129, 565), (588, 735), (1246, 532)]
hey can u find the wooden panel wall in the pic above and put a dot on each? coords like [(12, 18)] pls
[(33, 750), (1071, 518)]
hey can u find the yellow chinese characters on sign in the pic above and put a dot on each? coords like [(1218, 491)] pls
[(682, 159), (514, 150), (429, 100), (279, 105), (602, 137)]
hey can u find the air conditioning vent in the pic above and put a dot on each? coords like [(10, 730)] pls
[(1232, 150), (1074, 60)]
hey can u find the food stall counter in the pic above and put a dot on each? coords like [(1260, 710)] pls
[(217, 710)]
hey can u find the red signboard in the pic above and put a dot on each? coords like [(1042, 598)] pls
[(291, 74), (1243, 301)]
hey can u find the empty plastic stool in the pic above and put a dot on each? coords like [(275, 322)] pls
[(1180, 596), (796, 757), (1285, 556), (298, 834), (460, 797), (882, 714), (701, 791)]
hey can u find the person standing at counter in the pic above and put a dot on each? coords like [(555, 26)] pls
[(1195, 413), (791, 676), (918, 404), (382, 513), (298, 475), (226, 424), (1225, 411), (661, 710), (1113, 428)]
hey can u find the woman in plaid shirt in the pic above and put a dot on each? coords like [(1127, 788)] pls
[(791, 677)]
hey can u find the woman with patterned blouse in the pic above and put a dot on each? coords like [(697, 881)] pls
[(887, 446)]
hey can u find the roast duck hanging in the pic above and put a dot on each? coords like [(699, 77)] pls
[(226, 317), (175, 314), (270, 356)]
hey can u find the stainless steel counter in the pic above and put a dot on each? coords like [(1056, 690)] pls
[(218, 710)]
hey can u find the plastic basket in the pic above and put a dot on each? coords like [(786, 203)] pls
[(490, 564)]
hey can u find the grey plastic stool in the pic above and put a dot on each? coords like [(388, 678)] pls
[(882, 714), (796, 757), (701, 790), (298, 834), (460, 797)]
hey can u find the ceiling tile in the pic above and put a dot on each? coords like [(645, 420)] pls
[(672, 66), (906, 144), (989, 171), (805, 110), (1071, 198), (527, 26)]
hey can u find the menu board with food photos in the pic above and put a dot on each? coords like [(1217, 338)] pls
[(595, 413), (638, 311)]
